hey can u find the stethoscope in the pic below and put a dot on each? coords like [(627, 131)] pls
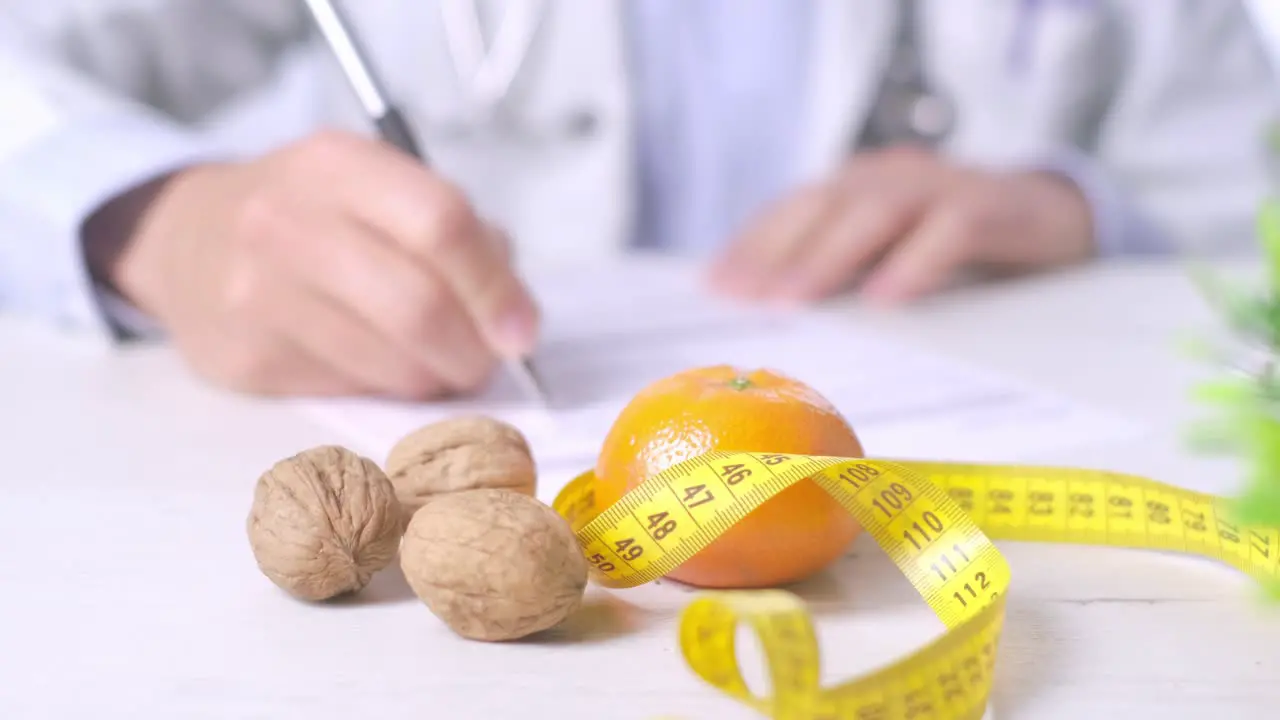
[(486, 74), (907, 109)]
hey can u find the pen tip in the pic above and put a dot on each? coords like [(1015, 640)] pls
[(532, 382)]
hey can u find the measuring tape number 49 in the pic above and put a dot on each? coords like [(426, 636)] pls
[(936, 521)]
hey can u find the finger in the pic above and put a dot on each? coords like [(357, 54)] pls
[(257, 363), (502, 242), (777, 254), (463, 252), (944, 240), (881, 196), (406, 303), (851, 243), (351, 347), (300, 373), (754, 262), (436, 224), (292, 371), (327, 332)]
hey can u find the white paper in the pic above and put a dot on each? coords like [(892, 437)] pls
[(611, 331)]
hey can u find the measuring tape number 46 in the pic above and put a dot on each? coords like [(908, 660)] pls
[(936, 521)]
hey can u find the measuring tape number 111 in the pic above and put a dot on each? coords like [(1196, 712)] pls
[(936, 521)]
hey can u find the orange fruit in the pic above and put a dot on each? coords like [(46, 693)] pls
[(794, 534)]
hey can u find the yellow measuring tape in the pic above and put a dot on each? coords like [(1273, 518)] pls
[(936, 521)]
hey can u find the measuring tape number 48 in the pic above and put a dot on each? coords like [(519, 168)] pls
[(936, 521)]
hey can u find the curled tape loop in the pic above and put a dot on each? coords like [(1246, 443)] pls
[(936, 521), (708, 628)]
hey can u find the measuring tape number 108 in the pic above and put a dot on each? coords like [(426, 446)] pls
[(935, 520)]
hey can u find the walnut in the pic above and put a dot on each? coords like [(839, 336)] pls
[(462, 453), (323, 522), (494, 564)]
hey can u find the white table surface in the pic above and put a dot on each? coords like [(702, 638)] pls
[(129, 590)]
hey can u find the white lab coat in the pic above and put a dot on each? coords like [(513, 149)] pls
[(1169, 97)]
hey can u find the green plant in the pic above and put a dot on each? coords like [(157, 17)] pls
[(1246, 399)]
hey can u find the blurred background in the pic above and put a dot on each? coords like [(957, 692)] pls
[(261, 120), (1268, 12)]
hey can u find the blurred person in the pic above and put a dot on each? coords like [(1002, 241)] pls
[(802, 149)]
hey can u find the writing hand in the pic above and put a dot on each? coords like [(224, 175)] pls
[(334, 265)]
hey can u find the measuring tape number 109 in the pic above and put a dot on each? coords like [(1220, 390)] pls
[(936, 521)]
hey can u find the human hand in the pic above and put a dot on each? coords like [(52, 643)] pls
[(335, 265), (907, 221)]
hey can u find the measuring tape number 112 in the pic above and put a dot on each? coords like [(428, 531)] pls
[(936, 521)]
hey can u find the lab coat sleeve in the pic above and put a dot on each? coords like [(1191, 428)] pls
[(1180, 162), (1120, 226), (96, 101)]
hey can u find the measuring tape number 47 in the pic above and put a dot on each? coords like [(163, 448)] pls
[(936, 521)]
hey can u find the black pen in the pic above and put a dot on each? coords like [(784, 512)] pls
[(387, 118)]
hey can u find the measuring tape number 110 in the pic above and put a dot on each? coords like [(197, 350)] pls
[(936, 521)]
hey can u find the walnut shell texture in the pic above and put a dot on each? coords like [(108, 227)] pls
[(461, 453), (494, 564), (323, 522)]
